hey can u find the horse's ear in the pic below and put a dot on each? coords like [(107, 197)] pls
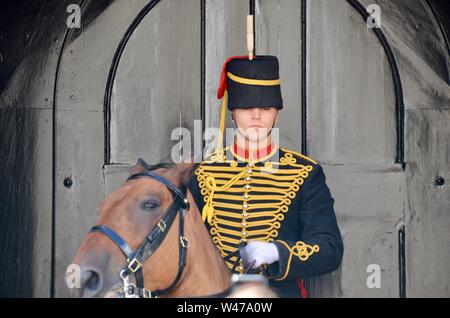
[(185, 170), (140, 167)]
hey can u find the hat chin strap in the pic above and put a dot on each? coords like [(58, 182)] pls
[(223, 112)]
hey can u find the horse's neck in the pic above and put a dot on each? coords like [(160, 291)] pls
[(206, 272)]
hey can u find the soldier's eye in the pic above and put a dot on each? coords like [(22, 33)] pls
[(150, 205)]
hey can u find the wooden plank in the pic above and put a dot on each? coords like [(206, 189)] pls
[(369, 205), (225, 36), (278, 32), (157, 87), (351, 105), (351, 130), (42, 180), (25, 197), (428, 221), (80, 158)]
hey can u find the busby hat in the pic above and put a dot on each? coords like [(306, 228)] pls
[(251, 83)]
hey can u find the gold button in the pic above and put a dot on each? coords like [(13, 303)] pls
[(248, 179), (245, 206), (250, 164), (244, 233), (247, 186), (244, 224), (249, 171), (244, 240), (245, 215), (245, 196)]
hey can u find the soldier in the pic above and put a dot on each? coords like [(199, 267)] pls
[(274, 199)]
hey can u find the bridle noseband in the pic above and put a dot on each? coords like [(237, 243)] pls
[(153, 240)]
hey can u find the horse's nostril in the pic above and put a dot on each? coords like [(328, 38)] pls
[(92, 281)]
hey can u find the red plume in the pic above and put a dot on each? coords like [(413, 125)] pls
[(223, 76)]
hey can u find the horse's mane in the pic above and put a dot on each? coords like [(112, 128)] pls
[(148, 167), (162, 165)]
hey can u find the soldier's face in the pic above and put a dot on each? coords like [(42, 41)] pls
[(255, 124)]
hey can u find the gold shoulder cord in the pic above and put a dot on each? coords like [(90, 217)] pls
[(290, 154)]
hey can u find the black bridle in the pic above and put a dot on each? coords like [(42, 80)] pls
[(153, 240)]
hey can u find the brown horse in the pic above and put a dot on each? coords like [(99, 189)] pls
[(132, 212)]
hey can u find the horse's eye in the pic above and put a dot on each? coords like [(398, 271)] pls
[(149, 205)]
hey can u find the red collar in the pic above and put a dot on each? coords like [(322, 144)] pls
[(258, 155)]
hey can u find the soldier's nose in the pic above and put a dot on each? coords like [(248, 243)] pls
[(256, 112)]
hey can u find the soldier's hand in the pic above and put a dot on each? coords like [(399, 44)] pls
[(261, 253)]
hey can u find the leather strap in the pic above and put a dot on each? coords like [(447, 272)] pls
[(179, 194), (116, 238), (154, 239)]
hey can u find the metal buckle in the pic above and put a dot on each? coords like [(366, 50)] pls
[(146, 293), (162, 225), (184, 241), (128, 288), (134, 265)]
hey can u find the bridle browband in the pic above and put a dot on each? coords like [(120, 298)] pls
[(151, 243)]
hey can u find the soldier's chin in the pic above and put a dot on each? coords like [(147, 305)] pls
[(257, 134), (259, 140)]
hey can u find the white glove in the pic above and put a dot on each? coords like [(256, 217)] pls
[(261, 253)]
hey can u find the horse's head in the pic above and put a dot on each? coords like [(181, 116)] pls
[(132, 212)]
